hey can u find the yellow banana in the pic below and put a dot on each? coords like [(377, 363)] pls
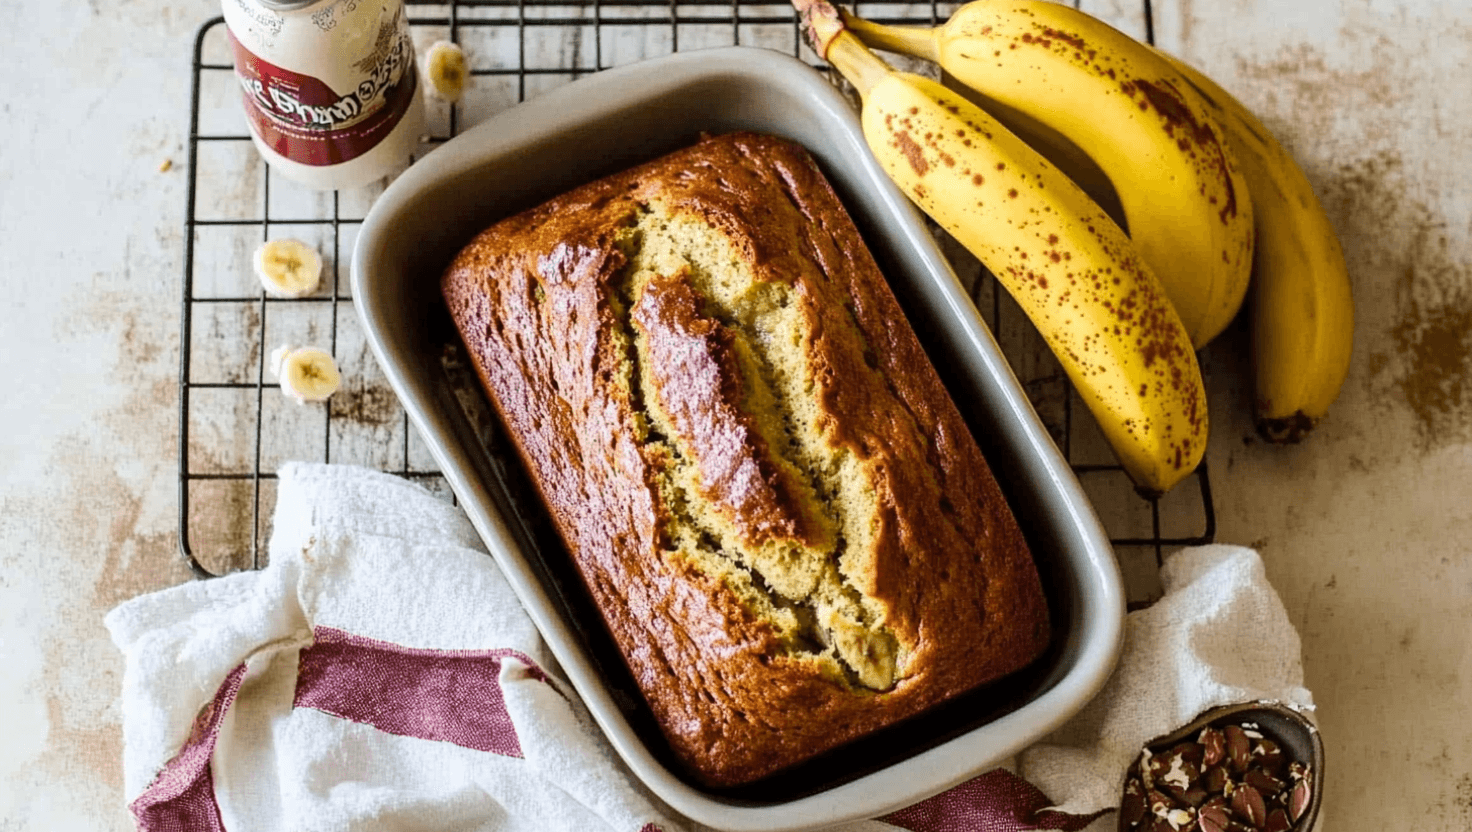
[(1069, 266), (1302, 309), (1185, 202), (1057, 148)]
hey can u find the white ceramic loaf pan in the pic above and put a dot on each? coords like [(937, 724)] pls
[(613, 120)]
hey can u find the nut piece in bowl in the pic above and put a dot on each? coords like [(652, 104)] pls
[(774, 503)]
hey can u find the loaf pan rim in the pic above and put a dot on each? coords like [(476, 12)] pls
[(611, 91)]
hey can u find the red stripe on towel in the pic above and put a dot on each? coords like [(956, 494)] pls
[(182, 797), (998, 801), (448, 695)]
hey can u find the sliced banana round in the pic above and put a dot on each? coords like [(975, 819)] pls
[(288, 268), (307, 374), (447, 71)]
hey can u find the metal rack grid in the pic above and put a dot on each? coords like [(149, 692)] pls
[(226, 470)]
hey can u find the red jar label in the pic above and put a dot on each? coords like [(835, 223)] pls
[(305, 120)]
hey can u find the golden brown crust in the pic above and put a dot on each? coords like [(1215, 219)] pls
[(537, 300)]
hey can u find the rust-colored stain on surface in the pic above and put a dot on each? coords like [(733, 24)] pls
[(101, 526), (1435, 346), (1402, 245), (372, 404), (1314, 92), (1463, 799)]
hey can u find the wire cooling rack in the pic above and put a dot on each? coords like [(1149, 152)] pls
[(236, 428)]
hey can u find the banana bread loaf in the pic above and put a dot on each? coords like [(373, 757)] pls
[(789, 530)]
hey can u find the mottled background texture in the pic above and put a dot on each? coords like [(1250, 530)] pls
[(1364, 527)]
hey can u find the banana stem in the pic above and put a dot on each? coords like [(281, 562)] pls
[(918, 41), (860, 66), (823, 25)]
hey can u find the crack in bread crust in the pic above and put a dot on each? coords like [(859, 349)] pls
[(721, 359)]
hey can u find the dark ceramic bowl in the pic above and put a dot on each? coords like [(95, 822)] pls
[(1295, 734)]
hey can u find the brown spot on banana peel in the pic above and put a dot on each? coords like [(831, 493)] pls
[(913, 154), (1176, 113), (1082, 51), (1071, 39)]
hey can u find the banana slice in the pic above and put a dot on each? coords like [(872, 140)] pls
[(447, 70), (307, 374), (288, 268)]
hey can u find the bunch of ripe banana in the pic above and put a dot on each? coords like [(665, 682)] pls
[(1191, 174)]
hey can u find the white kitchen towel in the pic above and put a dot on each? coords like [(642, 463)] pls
[(380, 674), (1218, 636)]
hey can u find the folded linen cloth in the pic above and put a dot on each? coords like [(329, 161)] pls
[(380, 674)]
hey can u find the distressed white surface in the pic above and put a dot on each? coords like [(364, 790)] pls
[(1363, 528)]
